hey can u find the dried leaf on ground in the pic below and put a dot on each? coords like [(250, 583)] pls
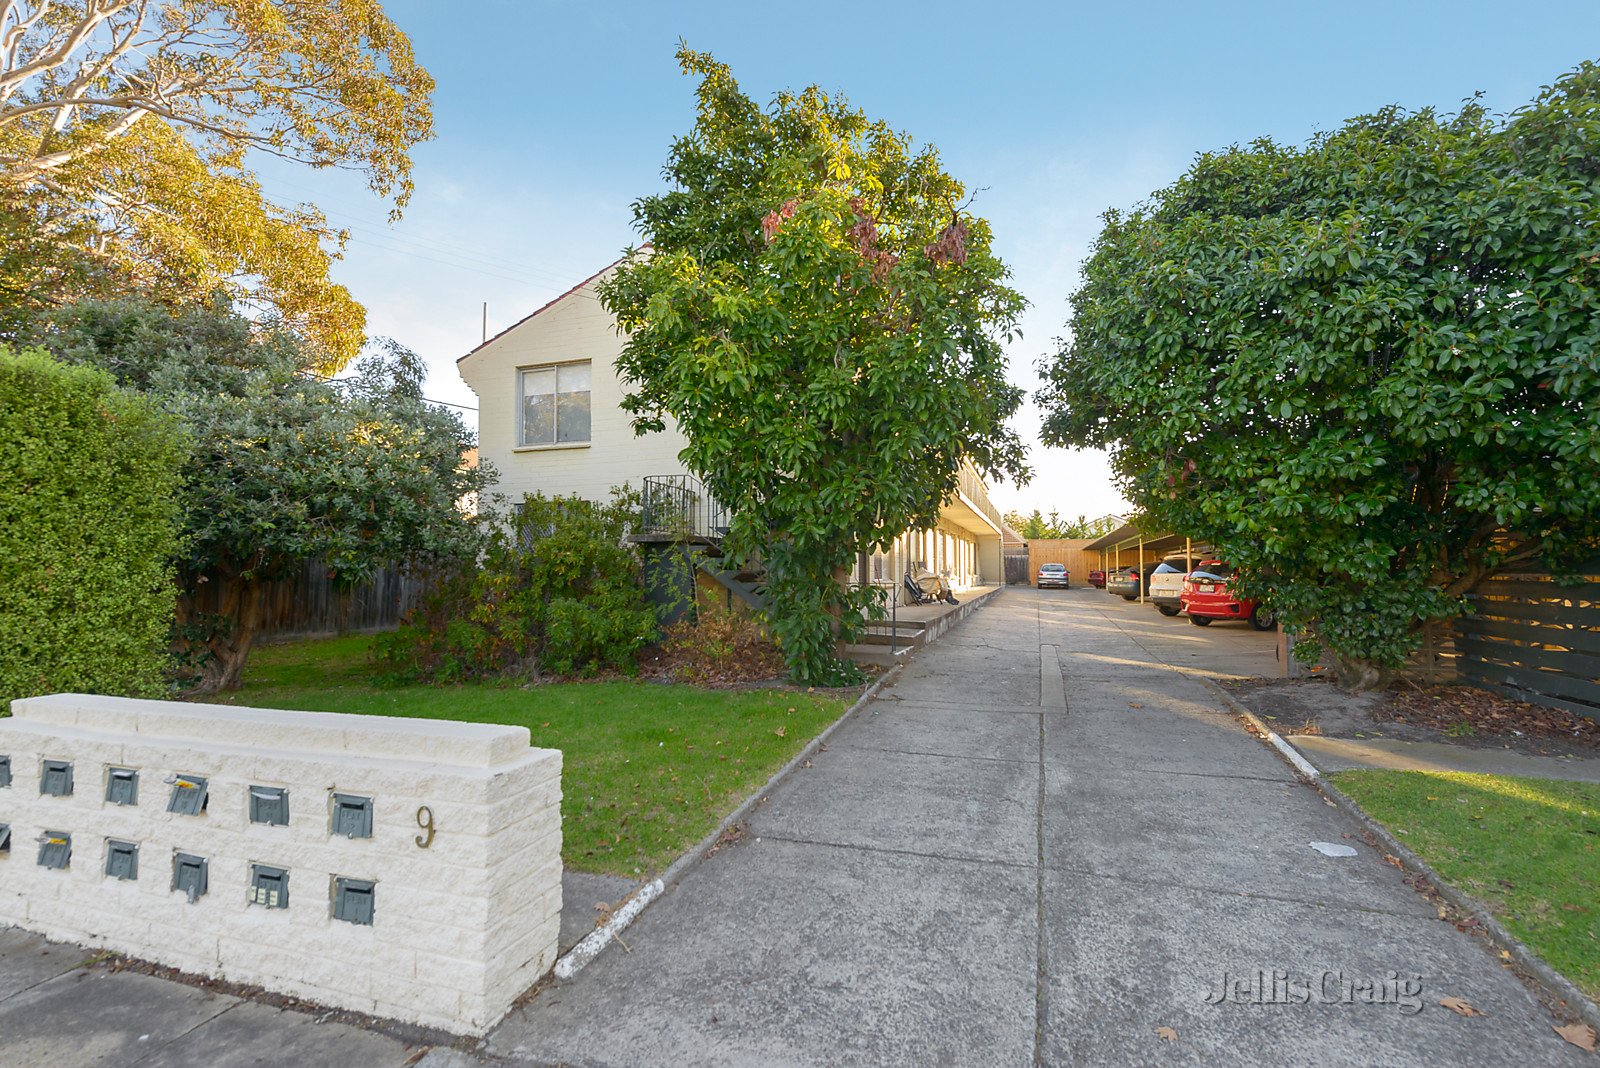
[(1581, 1035), (1460, 1007), (1167, 1034)]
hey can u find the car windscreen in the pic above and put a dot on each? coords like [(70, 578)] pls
[(1054, 569), (1211, 571), (1165, 568)]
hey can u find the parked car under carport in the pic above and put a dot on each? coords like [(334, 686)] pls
[(1206, 597), (1128, 582)]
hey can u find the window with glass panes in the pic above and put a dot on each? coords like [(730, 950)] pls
[(555, 404)]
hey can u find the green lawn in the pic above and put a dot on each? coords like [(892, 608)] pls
[(1527, 848), (649, 769)]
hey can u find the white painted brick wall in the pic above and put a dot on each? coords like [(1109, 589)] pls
[(574, 328), (459, 928)]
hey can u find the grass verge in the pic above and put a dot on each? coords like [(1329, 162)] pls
[(1529, 849), (648, 769)]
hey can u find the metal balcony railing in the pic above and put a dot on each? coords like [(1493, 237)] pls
[(974, 489), (678, 507)]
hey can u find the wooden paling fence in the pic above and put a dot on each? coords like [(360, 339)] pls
[(310, 604), (1535, 640)]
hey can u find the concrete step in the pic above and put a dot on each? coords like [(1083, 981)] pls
[(875, 654)]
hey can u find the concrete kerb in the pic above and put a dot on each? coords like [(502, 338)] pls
[(585, 951), (1555, 984)]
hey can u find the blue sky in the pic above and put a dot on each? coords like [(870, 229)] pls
[(552, 118)]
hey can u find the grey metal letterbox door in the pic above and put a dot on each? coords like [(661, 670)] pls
[(190, 875), (188, 795), (353, 900), (269, 805), (352, 816), (5, 771), (55, 849), (55, 778), (122, 786), (269, 886), (122, 859)]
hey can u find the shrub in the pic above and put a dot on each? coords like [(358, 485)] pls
[(89, 526), (558, 592)]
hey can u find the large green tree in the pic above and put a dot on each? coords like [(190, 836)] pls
[(823, 319), (285, 466), (1366, 368), (126, 131)]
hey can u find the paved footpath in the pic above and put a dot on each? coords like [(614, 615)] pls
[(1040, 847)]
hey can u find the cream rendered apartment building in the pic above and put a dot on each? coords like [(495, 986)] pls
[(550, 420)]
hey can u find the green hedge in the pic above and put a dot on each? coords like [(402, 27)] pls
[(88, 528)]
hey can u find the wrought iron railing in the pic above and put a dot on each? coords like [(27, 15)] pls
[(678, 506)]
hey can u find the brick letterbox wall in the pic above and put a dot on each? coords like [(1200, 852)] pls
[(405, 868)]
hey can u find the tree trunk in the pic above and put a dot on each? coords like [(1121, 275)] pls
[(1355, 675), (227, 647)]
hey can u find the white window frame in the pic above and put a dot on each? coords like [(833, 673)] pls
[(519, 398)]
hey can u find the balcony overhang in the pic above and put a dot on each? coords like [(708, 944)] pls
[(959, 511)]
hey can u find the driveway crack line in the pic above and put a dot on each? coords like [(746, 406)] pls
[(862, 847)]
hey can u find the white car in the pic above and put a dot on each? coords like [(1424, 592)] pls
[(1166, 585)]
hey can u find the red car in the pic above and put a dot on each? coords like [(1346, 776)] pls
[(1206, 597), (1097, 579)]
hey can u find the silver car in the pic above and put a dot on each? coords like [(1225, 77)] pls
[(1054, 575)]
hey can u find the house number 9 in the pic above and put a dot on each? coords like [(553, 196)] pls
[(425, 821)]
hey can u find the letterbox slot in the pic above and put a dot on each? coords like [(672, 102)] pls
[(55, 849), (122, 786), (5, 771), (122, 859), (269, 805), (353, 900), (188, 795), (352, 816), (190, 875), (269, 887), (5, 837), (55, 778)]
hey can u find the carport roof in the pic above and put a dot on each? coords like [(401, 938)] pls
[(1128, 536)]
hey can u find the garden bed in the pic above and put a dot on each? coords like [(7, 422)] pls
[(649, 768), (1458, 714)]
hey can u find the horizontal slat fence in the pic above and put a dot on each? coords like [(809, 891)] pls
[(1535, 640)]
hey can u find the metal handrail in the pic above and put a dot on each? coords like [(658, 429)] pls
[(678, 506), (975, 490)]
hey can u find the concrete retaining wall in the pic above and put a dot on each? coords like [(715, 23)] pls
[(462, 919)]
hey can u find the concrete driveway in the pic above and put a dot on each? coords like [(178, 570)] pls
[(1048, 844), (1225, 649)]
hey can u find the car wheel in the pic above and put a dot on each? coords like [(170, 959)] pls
[(1263, 619), (1200, 621), (1130, 597), (1166, 610)]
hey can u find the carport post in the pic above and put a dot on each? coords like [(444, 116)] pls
[(1141, 569), (1188, 555)]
